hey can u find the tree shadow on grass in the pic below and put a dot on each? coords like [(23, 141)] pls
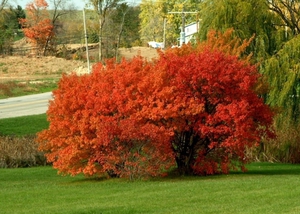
[(266, 169), (81, 179), (271, 169), (255, 169)]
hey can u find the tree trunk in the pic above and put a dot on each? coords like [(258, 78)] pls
[(100, 38), (120, 34), (184, 146)]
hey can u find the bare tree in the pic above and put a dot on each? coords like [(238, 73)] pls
[(288, 11), (3, 3), (59, 8), (103, 7), (123, 8)]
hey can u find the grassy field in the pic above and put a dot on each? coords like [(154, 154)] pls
[(26, 125), (266, 188)]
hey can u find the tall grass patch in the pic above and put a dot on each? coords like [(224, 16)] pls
[(285, 148), (20, 88), (20, 152), (17, 141)]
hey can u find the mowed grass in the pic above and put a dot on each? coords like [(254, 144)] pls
[(265, 188), (26, 125)]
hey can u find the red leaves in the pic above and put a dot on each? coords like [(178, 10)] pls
[(135, 119)]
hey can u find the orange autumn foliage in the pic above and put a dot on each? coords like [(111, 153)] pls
[(94, 131), (37, 27), (193, 108), (217, 41)]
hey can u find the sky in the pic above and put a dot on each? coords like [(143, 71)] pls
[(78, 4)]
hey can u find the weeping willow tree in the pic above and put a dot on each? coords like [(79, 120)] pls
[(279, 58), (247, 18), (283, 72)]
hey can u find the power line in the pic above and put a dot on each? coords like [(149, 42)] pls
[(182, 33)]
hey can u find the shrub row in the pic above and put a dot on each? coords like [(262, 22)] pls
[(20, 152)]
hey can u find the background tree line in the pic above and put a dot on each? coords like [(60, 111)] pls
[(119, 24)]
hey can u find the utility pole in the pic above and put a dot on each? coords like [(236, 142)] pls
[(164, 36), (86, 42), (182, 33)]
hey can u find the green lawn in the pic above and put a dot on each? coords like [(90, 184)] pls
[(266, 188), (27, 125)]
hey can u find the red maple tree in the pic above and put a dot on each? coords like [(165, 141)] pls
[(37, 27), (193, 108)]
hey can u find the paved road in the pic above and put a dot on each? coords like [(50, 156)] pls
[(25, 105)]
